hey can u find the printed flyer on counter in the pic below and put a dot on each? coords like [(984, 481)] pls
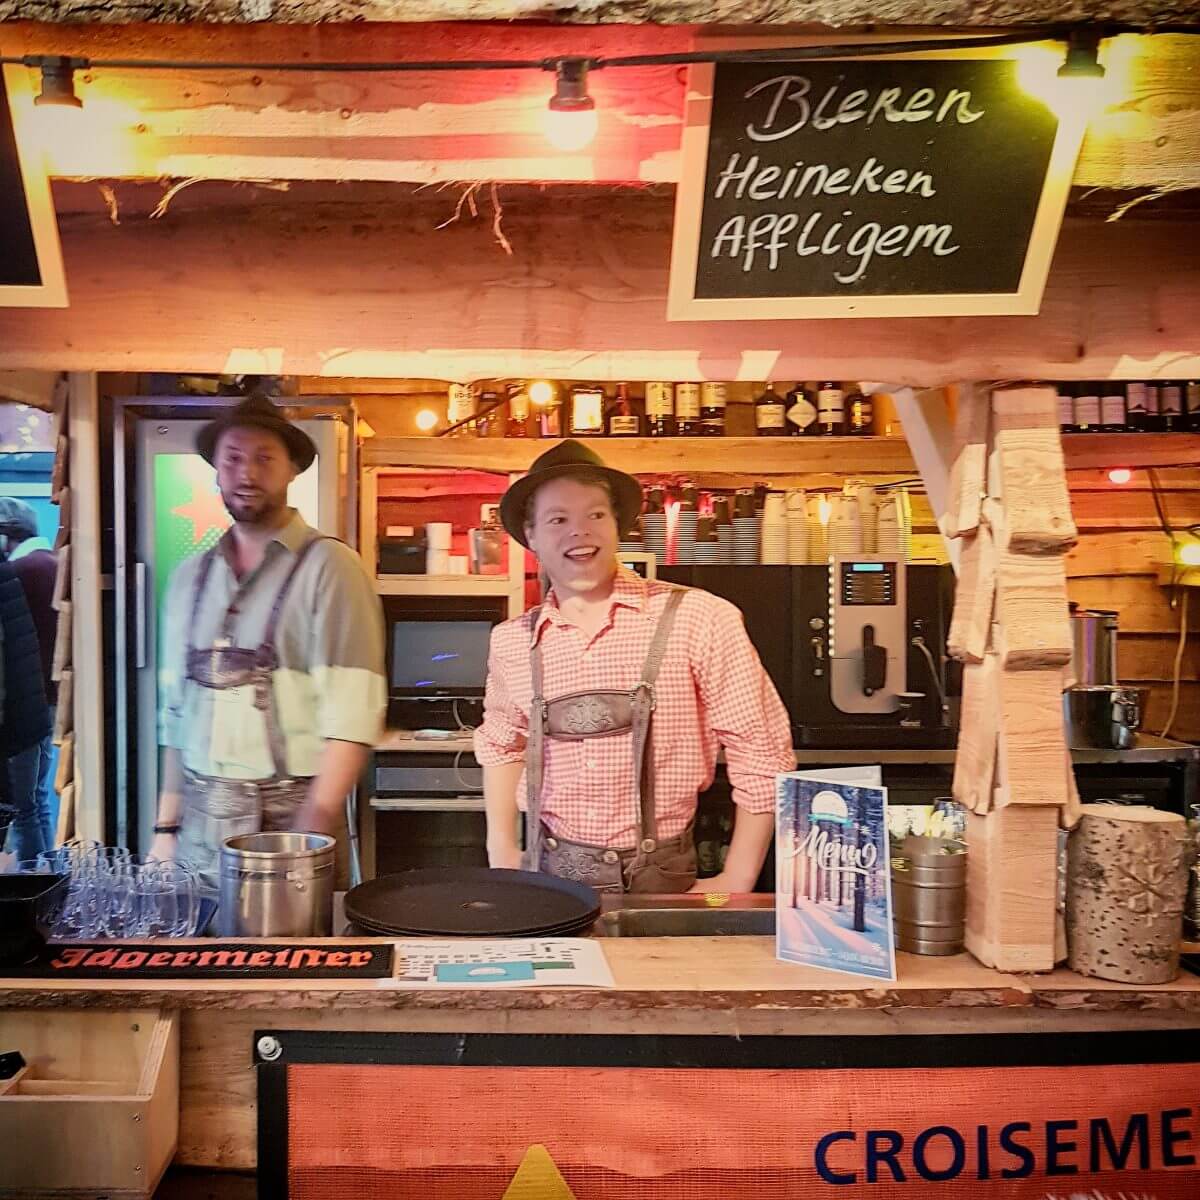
[(833, 894)]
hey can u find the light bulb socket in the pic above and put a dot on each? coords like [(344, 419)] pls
[(58, 82), (570, 86), (1083, 56)]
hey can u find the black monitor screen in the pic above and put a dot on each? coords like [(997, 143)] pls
[(439, 658)]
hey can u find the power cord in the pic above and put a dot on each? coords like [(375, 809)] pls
[(1183, 623), (921, 645), (463, 782)]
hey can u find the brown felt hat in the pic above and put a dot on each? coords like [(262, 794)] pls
[(569, 458), (257, 412)]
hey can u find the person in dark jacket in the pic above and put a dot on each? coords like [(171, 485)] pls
[(28, 720)]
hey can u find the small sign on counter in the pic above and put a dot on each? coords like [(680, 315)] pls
[(502, 962)]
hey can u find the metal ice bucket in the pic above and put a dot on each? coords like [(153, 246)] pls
[(929, 898), (277, 884)]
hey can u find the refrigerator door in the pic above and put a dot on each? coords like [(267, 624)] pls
[(180, 513)]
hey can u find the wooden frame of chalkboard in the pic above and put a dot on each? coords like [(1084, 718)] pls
[(31, 267), (908, 186)]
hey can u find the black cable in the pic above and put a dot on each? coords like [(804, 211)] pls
[(480, 412)]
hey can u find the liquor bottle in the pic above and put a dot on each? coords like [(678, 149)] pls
[(660, 410), (1087, 407), (487, 414), (1191, 414), (517, 425), (546, 406), (1170, 403), (1137, 411), (1113, 416), (1066, 408), (687, 410), (860, 414), (460, 407), (587, 412), (713, 397), (831, 408), (623, 419), (1154, 417), (769, 415), (801, 412)]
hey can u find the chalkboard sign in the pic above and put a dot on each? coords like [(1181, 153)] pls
[(866, 187), (31, 274)]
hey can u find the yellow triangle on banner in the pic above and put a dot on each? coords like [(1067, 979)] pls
[(537, 1178)]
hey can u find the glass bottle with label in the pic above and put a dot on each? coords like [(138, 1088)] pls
[(801, 412), (860, 414), (687, 409), (1170, 404), (587, 412), (660, 410), (1066, 408), (1191, 414), (623, 419), (487, 415), (713, 398), (769, 414), (1154, 419), (1087, 407), (1137, 412), (546, 409), (1113, 415), (460, 407), (517, 425), (831, 408)]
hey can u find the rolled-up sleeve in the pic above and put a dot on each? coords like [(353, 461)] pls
[(743, 708), (501, 736), (172, 658), (347, 659)]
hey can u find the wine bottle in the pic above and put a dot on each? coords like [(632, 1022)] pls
[(860, 414), (831, 409), (769, 415), (687, 410), (660, 410), (623, 419), (713, 398)]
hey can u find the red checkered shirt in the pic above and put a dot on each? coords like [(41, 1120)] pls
[(712, 692)]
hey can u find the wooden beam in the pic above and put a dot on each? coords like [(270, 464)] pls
[(275, 283), (447, 126)]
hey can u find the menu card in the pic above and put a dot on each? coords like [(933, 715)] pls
[(833, 898)]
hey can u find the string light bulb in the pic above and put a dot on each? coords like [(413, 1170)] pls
[(426, 419), (571, 120), (58, 83), (541, 392), (1083, 56), (1120, 475)]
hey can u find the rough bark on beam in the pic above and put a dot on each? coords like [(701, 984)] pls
[(833, 13)]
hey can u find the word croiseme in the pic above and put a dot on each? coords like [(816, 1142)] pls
[(292, 958), (1015, 1150)]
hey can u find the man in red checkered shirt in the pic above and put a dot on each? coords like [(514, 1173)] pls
[(607, 705)]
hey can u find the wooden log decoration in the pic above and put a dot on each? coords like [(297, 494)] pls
[(1033, 628), (969, 469), (1127, 873), (1032, 744), (974, 598), (975, 759), (1033, 477)]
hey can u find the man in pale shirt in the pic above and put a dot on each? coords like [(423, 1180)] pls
[(607, 705), (272, 679)]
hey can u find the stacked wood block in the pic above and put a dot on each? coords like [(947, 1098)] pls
[(1009, 505)]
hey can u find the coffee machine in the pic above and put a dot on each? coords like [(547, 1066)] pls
[(868, 656), (856, 650)]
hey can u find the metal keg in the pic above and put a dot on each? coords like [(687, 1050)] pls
[(929, 897), (276, 884)]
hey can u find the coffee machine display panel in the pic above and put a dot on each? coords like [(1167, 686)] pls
[(868, 583)]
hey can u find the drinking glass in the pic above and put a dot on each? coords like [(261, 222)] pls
[(183, 883)]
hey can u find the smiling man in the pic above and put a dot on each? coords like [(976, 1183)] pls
[(272, 681), (607, 705)]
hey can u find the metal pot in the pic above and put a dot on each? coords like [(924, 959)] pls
[(1093, 647), (276, 884), (929, 898), (1106, 718)]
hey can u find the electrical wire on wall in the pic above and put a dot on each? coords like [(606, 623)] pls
[(1160, 507), (1178, 673)]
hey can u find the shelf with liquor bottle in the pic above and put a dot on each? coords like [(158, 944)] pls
[(1129, 406)]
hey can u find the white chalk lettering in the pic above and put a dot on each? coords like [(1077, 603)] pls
[(748, 180)]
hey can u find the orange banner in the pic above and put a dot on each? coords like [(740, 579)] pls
[(1126, 1132)]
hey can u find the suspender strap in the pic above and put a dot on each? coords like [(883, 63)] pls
[(535, 754), (198, 591), (268, 638)]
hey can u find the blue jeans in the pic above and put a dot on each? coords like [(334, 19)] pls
[(31, 779)]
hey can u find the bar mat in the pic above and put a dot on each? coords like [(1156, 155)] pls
[(209, 960)]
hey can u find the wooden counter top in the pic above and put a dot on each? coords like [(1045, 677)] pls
[(729, 974)]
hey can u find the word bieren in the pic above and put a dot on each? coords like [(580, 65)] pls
[(787, 107)]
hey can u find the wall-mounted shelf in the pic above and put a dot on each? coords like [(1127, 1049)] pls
[(443, 585), (762, 456)]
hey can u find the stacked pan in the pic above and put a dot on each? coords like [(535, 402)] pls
[(472, 902)]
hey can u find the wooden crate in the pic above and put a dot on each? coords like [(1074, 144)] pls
[(96, 1109)]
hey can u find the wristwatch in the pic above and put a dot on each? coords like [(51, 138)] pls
[(167, 828)]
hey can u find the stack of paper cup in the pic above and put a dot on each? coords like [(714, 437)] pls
[(745, 529), (889, 530), (818, 544), (437, 548), (867, 500), (774, 548), (632, 542), (904, 507), (685, 536), (845, 532), (722, 510), (797, 523), (705, 548)]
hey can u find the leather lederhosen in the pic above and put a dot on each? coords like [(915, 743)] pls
[(216, 808), (649, 866)]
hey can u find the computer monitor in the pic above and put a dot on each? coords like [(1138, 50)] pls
[(435, 659)]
